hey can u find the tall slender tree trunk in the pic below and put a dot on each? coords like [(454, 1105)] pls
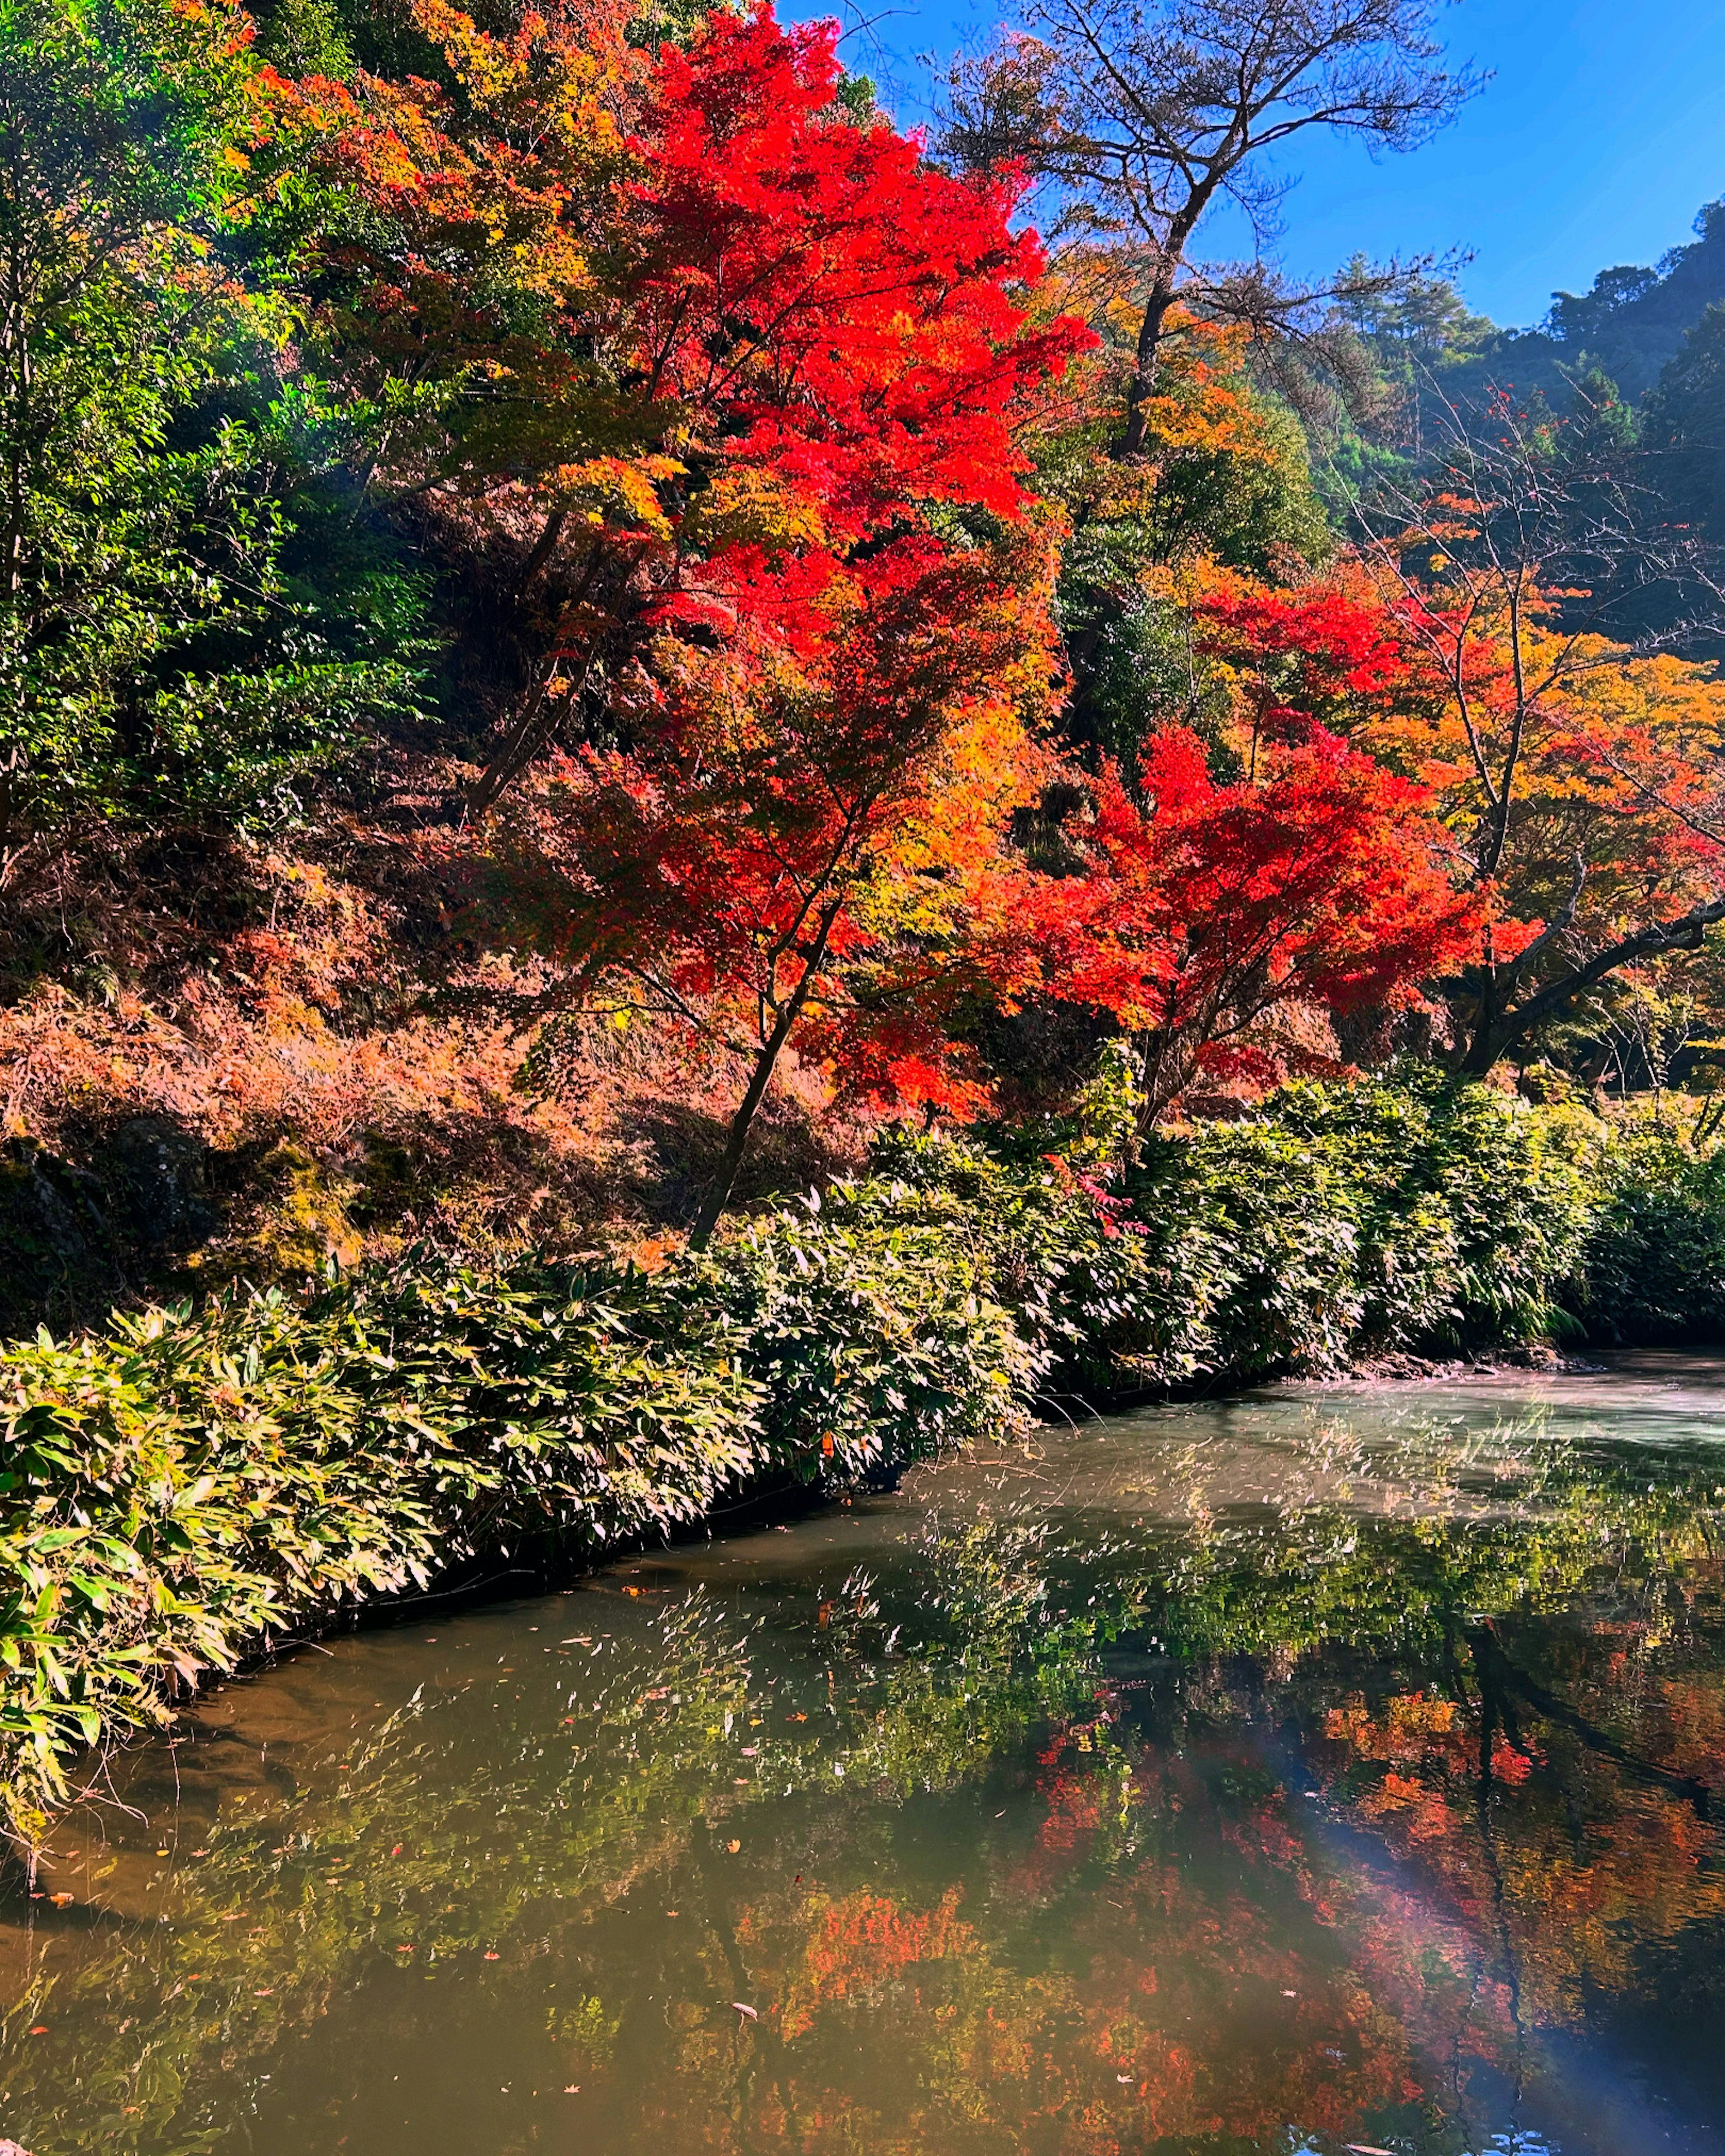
[(1146, 361), (718, 1196), (1158, 304)]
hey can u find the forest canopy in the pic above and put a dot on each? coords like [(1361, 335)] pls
[(587, 621)]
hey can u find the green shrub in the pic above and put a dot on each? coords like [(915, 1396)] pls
[(1655, 1275), (872, 1329), (181, 1490), (1339, 1222), (1346, 1222), (188, 1485)]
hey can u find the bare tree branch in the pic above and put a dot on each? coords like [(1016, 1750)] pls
[(1140, 116)]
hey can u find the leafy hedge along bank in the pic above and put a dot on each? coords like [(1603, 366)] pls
[(181, 1488)]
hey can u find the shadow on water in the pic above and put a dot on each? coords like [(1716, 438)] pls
[(1329, 1767)]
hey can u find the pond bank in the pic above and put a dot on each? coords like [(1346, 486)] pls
[(195, 1484), (1372, 1721)]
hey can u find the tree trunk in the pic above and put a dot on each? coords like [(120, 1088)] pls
[(543, 548), (1498, 1674), (1145, 359), (718, 1197), (530, 731), (518, 747), (1496, 1030)]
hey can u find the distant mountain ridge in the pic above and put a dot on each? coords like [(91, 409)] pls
[(1633, 321)]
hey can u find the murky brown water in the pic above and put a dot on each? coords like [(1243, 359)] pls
[(1330, 1768)]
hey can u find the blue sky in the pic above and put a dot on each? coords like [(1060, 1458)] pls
[(1599, 137)]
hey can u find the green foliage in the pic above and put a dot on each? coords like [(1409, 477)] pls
[(158, 656), (306, 36), (1632, 321), (872, 1326), (193, 1482), (1141, 672), (1359, 1220), (1655, 1264), (1684, 429), (1338, 1223), (190, 1484), (1250, 512)]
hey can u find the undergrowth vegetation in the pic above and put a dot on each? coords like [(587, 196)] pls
[(593, 634), (194, 1483)]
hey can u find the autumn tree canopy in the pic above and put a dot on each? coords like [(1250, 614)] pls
[(836, 604)]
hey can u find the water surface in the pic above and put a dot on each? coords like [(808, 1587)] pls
[(1333, 1768)]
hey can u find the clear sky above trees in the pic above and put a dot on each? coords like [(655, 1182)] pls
[(1595, 142)]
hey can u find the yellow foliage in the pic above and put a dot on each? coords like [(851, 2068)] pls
[(749, 502), (601, 485), (306, 1225)]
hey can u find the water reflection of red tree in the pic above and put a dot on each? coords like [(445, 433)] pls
[(1198, 1939)]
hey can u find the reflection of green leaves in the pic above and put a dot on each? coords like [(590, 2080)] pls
[(962, 1653), (200, 1480), (992, 1660), (654, 1749), (1396, 1543)]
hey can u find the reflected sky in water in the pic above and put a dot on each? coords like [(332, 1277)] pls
[(1334, 1767)]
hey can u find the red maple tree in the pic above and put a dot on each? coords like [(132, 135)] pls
[(805, 841), (655, 326), (1209, 906)]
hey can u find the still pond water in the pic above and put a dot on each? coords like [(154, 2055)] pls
[(1327, 1767)]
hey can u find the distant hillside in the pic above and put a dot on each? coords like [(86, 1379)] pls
[(1423, 348), (1630, 327)]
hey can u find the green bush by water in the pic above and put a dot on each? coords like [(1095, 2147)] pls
[(193, 1483), (1654, 1270)]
